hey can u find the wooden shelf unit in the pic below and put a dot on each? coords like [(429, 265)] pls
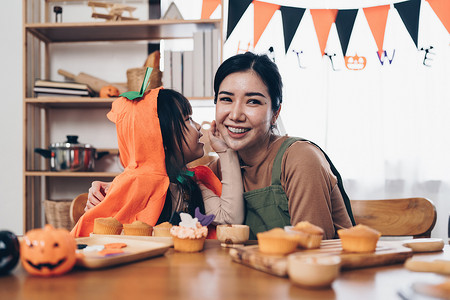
[(37, 40)]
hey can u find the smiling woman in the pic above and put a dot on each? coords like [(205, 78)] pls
[(286, 180)]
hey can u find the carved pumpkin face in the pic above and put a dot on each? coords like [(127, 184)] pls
[(355, 63), (109, 91), (48, 251)]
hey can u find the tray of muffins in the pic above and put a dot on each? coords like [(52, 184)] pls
[(113, 243), (357, 247), (96, 252)]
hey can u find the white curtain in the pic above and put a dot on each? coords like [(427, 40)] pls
[(386, 127)]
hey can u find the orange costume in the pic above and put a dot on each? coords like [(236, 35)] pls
[(139, 192)]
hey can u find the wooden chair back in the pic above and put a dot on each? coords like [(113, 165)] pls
[(77, 207), (397, 217)]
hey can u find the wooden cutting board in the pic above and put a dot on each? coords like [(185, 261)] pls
[(386, 253)]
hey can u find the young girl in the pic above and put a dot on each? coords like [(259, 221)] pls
[(157, 138)]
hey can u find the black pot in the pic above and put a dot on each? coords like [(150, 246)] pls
[(71, 155)]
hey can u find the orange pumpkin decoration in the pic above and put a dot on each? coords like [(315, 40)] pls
[(48, 251), (355, 63), (109, 91)]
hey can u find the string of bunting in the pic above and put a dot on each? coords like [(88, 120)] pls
[(323, 19)]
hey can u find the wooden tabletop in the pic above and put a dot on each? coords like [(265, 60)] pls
[(210, 274)]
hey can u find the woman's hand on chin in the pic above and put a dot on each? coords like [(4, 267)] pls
[(217, 142)]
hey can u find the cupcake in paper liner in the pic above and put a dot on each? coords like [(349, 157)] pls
[(162, 230), (360, 238), (107, 226), (190, 234), (137, 228), (277, 242)]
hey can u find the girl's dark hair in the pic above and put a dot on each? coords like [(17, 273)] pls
[(261, 65), (173, 108)]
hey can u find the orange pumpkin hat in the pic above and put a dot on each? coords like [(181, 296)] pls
[(139, 192)]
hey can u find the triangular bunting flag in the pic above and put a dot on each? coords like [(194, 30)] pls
[(345, 20), (208, 7), (291, 19), (263, 13), (236, 9), (409, 12), (376, 18), (442, 10), (323, 19)]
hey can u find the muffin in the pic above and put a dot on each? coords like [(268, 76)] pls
[(162, 229), (360, 238), (277, 241), (310, 235), (137, 228), (189, 235), (107, 226)]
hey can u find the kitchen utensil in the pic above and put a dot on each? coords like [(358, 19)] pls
[(94, 83), (71, 155)]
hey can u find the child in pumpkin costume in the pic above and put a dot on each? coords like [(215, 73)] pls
[(154, 148)]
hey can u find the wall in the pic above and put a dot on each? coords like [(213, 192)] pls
[(11, 206)]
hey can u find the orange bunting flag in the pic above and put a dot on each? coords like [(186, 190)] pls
[(323, 19), (377, 17), (263, 12), (442, 10), (208, 7)]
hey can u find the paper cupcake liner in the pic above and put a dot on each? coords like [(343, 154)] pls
[(106, 229), (276, 246), (142, 231), (161, 231), (188, 245)]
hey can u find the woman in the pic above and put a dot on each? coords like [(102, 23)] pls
[(285, 180), (157, 138)]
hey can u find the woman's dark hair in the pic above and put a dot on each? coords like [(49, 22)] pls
[(261, 65), (173, 108)]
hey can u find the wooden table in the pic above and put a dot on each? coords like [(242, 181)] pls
[(206, 275)]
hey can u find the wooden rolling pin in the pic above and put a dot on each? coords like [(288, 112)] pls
[(94, 83)]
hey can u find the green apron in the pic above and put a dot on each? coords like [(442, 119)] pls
[(268, 207)]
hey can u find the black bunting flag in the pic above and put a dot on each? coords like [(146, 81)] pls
[(345, 20), (409, 12), (291, 19), (236, 9)]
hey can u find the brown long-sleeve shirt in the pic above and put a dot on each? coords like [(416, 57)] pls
[(308, 182)]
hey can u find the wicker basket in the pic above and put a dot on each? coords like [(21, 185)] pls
[(135, 77), (57, 213)]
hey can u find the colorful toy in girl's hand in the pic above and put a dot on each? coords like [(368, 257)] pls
[(48, 251), (205, 220), (9, 251)]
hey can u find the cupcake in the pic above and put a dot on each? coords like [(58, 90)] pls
[(360, 238), (277, 241), (162, 230), (189, 235), (137, 228), (310, 235), (107, 226)]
